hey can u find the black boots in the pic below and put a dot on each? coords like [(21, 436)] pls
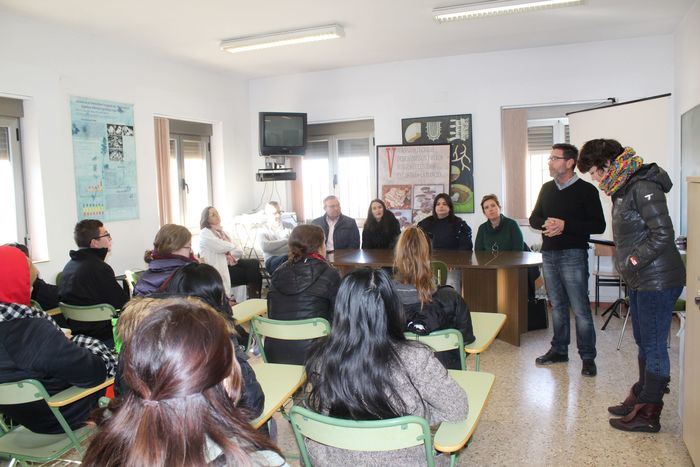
[(626, 406), (643, 418), (645, 414), (253, 290)]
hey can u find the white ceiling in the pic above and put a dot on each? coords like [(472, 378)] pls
[(376, 31)]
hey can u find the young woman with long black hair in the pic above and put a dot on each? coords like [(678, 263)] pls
[(367, 370), (381, 227), (446, 231)]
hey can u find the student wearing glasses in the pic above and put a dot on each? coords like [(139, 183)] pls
[(88, 280), (172, 249), (498, 233)]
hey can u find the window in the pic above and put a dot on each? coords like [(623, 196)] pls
[(339, 165), (183, 160), (190, 178), (541, 135), (13, 228)]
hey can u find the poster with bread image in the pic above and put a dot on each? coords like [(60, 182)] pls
[(455, 130), (409, 177)]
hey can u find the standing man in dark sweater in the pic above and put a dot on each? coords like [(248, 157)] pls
[(88, 280), (568, 211)]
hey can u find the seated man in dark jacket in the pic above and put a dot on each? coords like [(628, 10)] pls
[(303, 287), (341, 231), (88, 280), (32, 346)]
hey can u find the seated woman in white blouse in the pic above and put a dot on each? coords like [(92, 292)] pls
[(218, 249)]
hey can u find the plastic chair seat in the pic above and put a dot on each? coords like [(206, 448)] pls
[(38, 447)]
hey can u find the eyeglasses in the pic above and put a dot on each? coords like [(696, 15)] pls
[(555, 158), (108, 235), (494, 248)]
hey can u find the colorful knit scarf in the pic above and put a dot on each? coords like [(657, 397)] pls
[(621, 169)]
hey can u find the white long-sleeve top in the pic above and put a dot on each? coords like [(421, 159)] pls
[(213, 249)]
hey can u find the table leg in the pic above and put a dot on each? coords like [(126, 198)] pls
[(512, 301)]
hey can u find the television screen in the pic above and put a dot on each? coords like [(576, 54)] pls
[(282, 133)]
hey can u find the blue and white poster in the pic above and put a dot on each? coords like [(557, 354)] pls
[(104, 154)]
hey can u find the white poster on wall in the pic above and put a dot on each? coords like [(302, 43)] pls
[(409, 178)]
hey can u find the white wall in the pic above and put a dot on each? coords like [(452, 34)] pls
[(686, 78), (479, 84), (46, 64), (687, 60)]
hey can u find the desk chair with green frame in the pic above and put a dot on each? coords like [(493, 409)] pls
[(294, 330), (398, 433), (22, 445), (486, 327)]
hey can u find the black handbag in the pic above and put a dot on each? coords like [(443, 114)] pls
[(537, 314)]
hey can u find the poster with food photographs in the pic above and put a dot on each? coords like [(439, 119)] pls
[(457, 131), (410, 176), (104, 154)]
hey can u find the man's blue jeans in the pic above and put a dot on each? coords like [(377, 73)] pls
[(566, 278), (652, 311)]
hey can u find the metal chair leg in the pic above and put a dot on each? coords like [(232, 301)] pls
[(622, 332)]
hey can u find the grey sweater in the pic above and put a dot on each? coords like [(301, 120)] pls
[(428, 392)]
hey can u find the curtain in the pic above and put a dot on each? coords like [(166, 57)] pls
[(162, 132), (514, 123)]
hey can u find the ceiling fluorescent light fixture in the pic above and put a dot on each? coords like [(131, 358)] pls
[(482, 8), (278, 39)]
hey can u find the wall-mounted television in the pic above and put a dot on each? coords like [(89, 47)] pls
[(282, 134)]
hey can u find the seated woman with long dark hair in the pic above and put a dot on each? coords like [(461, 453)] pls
[(303, 287), (181, 385), (428, 308), (446, 231), (367, 370), (381, 227)]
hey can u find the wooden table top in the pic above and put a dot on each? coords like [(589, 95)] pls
[(453, 258)]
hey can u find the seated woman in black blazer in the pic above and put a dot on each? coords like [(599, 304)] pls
[(445, 230), (381, 227)]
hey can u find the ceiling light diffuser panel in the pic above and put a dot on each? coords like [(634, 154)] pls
[(479, 9), (278, 39)]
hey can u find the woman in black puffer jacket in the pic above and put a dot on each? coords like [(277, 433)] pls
[(650, 264), (303, 287)]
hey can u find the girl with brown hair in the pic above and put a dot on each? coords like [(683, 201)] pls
[(427, 307), (172, 249), (181, 386), (303, 287)]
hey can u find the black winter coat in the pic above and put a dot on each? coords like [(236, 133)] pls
[(447, 234), (643, 230), (88, 280), (378, 238), (447, 311), (300, 290), (33, 348)]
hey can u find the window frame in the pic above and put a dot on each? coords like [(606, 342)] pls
[(17, 164), (334, 159), (205, 141)]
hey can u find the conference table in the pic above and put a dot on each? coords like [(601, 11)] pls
[(491, 282)]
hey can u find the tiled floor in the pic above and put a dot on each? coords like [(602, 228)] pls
[(547, 416), (554, 416)]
